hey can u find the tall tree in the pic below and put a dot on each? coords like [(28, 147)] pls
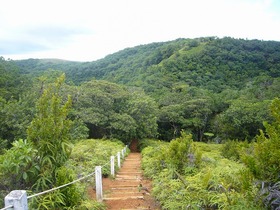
[(143, 109), (49, 132), (242, 119)]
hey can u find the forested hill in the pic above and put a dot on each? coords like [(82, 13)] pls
[(210, 87), (210, 63)]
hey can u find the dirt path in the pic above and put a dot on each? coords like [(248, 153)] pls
[(129, 190)]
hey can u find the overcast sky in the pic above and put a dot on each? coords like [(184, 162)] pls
[(87, 30)]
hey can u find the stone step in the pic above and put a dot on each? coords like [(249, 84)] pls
[(123, 198), (124, 188), (129, 172), (130, 164), (124, 183), (123, 194), (134, 168), (128, 191), (130, 176), (133, 158), (139, 208)]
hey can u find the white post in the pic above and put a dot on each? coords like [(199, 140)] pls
[(17, 199), (126, 146), (122, 153), (113, 166), (119, 159), (98, 182)]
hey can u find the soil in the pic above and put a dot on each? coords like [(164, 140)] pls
[(129, 189), (134, 146)]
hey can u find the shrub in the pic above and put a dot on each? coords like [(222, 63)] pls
[(87, 154), (18, 168), (264, 157), (214, 183)]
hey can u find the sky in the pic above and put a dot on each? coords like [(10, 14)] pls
[(88, 30)]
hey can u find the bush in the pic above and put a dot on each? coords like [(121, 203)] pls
[(233, 149), (264, 157), (89, 153), (212, 183), (18, 167)]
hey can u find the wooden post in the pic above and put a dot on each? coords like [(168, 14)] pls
[(17, 199), (98, 182), (119, 159), (113, 166)]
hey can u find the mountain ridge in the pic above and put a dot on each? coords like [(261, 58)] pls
[(211, 63)]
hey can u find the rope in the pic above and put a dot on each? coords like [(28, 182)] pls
[(106, 164), (11, 206), (56, 188)]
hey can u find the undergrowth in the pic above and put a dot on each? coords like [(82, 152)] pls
[(86, 154), (94, 152), (198, 177)]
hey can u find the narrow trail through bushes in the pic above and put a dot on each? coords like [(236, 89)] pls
[(129, 189)]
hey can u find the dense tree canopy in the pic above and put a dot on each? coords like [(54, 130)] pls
[(115, 111), (204, 85)]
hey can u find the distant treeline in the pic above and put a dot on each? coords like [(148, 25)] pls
[(216, 89)]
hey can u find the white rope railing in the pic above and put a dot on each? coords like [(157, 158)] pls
[(65, 185), (7, 207), (14, 202)]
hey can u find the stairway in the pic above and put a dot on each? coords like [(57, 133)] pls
[(129, 190)]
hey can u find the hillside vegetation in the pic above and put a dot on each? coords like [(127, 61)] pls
[(204, 85), (210, 63), (187, 93), (234, 175)]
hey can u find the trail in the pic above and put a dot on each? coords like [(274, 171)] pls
[(129, 190)]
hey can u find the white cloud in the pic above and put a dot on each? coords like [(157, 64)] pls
[(89, 29)]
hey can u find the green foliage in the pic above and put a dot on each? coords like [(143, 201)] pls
[(78, 130), (232, 149), (18, 165), (153, 161), (111, 110), (15, 117), (187, 108), (243, 118), (69, 197), (3, 144), (87, 154), (90, 204), (18, 168), (203, 85), (143, 109), (217, 183), (181, 153), (12, 83), (52, 200), (49, 131), (264, 157), (148, 142), (72, 193)]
